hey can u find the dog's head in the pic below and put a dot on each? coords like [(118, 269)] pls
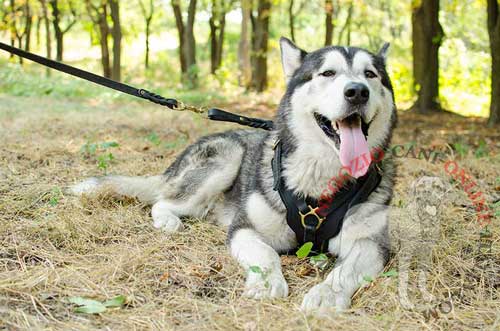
[(338, 96)]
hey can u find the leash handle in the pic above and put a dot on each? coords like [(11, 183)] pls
[(216, 114)]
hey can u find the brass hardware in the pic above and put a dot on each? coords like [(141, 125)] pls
[(312, 211), (181, 106)]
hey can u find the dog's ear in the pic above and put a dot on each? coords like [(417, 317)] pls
[(291, 57), (384, 51)]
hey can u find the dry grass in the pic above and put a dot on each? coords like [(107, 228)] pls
[(55, 246)]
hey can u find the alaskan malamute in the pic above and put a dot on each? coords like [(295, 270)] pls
[(338, 106)]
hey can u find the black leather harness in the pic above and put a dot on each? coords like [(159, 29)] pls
[(304, 215)]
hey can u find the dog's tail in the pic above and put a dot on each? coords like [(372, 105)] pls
[(146, 189)]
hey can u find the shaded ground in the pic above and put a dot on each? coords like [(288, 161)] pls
[(54, 246)]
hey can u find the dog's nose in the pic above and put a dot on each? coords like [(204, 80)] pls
[(356, 93)]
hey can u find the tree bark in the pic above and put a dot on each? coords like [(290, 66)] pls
[(116, 32), (48, 39), (217, 24), (260, 45), (148, 17), (427, 36), (494, 36), (346, 27), (244, 45), (13, 27), (187, 42), (27, 27), (58, 30), (292, 19), (190, 45), (180, 30), (328, 22), (99, 16)]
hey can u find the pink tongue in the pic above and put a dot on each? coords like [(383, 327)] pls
[(354, 153)]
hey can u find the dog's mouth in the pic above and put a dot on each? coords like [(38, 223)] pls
[(349, 135)]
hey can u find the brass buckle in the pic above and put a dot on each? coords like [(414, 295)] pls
[(312, 211)]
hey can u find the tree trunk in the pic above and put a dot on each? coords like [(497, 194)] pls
[(102, 21), (58, 34), (148, 33), (220, 45), (244, 45), (346, 27), (12, 26), (260, 44), (180, 30), (116, 32), (148, 17), (213, 38), (38, 29), (291, 16), (494, 35), (27, 27), (190, 46), (217, 24), (328, 22), (427, 36), (48, 39)]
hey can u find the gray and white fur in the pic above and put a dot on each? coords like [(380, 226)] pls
[(229, 174)]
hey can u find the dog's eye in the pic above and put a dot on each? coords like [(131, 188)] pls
[(370, 74), (328, 73)]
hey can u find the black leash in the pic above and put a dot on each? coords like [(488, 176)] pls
[(213, 114)]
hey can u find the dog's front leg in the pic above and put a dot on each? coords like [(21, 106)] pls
[(261, 263), (363, 258)]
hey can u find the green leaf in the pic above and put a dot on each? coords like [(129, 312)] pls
[(87, 306), (256, 269), (482, 149), (319, 258), (109, 144), (304, 251), (368, 279), (154, 139), (390, 273), (54, 201), (95, 308), (82, 301), (462, 149), (117, 301)]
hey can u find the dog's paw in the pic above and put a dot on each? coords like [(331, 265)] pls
[(322, 296), (168, 223), (89, 185), (261, 285)]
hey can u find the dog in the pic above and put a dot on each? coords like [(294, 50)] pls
[(330, 94)]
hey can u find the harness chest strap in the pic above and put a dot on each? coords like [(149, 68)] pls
[(311, 223)]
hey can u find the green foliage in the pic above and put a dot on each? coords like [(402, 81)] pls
[(482, 149), (464, 55), (304, 250), (99, 153), (55, 196), (256, 269), (390, 273), (496, 209), (461, 148), (154, 139), (90, 306)]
